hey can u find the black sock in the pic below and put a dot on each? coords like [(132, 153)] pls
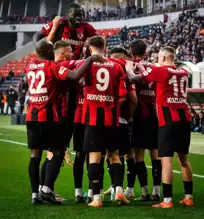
[(52, 170), (43, 171), (122, 159), (142, 173), (94, 174), (188, 187), (102, 172), (167, 190), (110, 171), (34, 173), (156, 172), (118, 175), (78, 169), (131, 173)]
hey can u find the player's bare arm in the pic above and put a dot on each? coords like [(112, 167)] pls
[(38, 36), (75, 75), (56, 22), (130, 70)]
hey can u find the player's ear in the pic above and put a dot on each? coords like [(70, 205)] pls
[(164, 58), (90, 50), (105, 50)]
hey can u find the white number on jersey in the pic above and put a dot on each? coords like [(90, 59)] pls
[(183, 85), (40, 75), (103, 79)]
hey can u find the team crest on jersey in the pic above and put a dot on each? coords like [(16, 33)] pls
[(80, 35)]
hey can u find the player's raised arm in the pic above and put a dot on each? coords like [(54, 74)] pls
[(53, 29), (79, 72), (38, 36), (130, 70)]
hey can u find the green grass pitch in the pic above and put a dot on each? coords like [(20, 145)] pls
[(15, 194)]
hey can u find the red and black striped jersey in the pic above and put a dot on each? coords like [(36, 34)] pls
[(129, 86), (171, 95), (42, 77), (104, 85), (145, 95)]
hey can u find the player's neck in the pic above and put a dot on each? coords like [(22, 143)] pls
[(97, 53), (169, 64)]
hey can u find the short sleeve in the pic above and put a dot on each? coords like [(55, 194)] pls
[(152, 75), (60, 72), (122, 85), (70, 64), (47, 28)]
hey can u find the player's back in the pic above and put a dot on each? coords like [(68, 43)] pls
[(104, 84), (145, 94), (172, 90), (42, 91)]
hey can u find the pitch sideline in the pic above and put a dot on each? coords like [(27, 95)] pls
[(150, 167)]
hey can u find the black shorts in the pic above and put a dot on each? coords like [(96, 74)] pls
[(45, 135), (100, 139), (78, 137), (174, 137), (123, 139), (145, 133)]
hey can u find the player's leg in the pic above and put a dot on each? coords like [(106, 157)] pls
[(118, 176), (110, 190), (141, 171), (131, 174), (69, 133), (156, 174), (78, 167), (35, 145), (34, 173), (54, 137), (92, 146), (102, 173), (43, 169), (167, 140), (94, 173), (187, 176), (186, 170)]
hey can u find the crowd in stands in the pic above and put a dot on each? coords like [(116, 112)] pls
[(103, 14), (185, 35)]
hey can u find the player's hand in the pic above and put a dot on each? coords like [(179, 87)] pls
[(56, 21), (130, 66), (140, 68), (97, 58)]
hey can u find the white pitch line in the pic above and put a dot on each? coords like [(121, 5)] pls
[(150, 167)]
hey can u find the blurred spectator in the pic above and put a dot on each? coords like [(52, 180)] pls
[(200, 125), (12, 97), (23, 88), (195, 120)]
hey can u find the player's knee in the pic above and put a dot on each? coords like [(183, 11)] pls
[(154, 154), (94, 171), (36, 153), (114, 157), (183, 161), (94, 157)]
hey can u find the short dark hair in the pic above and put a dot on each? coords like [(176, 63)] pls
[(44, 49), (138, 47), (61, 44), (73, 6), (170, 50), (98, 42), (120, 50)]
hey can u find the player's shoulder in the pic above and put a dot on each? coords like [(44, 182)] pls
[(121, 62), (88, 25)]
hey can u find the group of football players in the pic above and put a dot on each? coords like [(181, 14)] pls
[(115, 107)]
